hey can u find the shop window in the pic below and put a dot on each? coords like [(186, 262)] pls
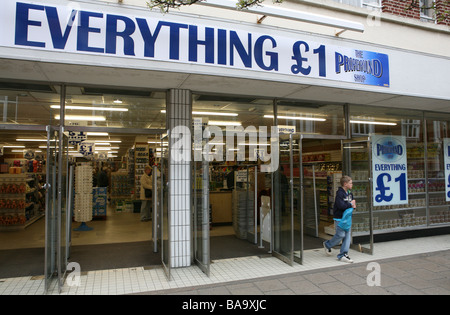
[(311, 117), (252, 115), (361, 129), (411, 128), (117, 108), (437, 133), (28, 103), (395, 122)]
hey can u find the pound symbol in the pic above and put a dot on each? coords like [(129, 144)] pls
[(382, 189)]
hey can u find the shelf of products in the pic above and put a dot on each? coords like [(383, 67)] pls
[(20, 200), (141, 160)]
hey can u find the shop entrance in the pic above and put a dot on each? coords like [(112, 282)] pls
[(308, 177), (53, 210), (120, 231)]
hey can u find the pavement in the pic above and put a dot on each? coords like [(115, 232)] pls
[(420, 274), (419, 266)]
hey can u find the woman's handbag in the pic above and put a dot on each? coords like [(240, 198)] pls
[(148, 193)]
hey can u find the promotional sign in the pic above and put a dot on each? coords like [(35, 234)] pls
[(286, 130), (86, 148), (390, 170), (76, 137), (77, 28), (447, 168)]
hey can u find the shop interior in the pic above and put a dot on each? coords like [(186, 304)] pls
[(126, 141)]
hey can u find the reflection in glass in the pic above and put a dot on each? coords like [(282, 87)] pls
[(437, 131), (311, 117)]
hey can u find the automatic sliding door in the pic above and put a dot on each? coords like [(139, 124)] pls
[(283, 224), (63, 217), (50, 208), (201, 215), (57, 208), (297, 197), (165, 213)]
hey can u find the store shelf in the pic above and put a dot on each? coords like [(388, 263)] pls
[(19, 203)]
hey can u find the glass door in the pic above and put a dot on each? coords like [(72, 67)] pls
[(201, 215), (63, 209), (57, 212), (51, 207), (164, 210), (283, 219), (297, 197), (357, 164), (311, 200)]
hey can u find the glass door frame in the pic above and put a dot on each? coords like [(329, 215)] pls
[(165, 205), (202, 250), (284, 253)]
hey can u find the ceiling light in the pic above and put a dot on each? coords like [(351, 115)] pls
[(260, 144), (224, 123), (112, 109), (98, 134), (106, 148), (84, 118), (39, 140), (209, 113), (296, 118), (45, 147), (214, 114), (373, 122), (158, 142), (117, 101)]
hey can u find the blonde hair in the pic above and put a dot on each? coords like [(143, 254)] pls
[(345, 179), (148, 167)]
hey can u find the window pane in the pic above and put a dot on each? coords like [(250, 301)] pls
[(437, 129), (90, 106), (312, 118), (366, 121), (28, 103)]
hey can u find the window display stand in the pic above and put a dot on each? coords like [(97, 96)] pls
[(83, 195), (83, 227)]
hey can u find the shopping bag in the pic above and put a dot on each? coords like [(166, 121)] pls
[(148, 193), (346, 222)]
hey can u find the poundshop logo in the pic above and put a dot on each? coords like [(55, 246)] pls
[(389, 150)]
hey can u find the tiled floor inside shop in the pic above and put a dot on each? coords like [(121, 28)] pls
[(141, 279)]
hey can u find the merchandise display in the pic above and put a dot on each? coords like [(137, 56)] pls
[(20, 203), (141, 158), (83, 192), (99, 202)]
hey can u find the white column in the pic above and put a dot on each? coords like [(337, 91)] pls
[(179, 108)]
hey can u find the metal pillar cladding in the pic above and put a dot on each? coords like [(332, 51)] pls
[(179, 118), (155, 219)]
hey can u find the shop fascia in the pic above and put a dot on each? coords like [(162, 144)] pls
[(172, 39), (209, 144)]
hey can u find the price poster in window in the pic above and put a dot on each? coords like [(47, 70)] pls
[(390, 170), (447, 168)]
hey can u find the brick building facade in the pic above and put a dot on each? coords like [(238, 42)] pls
[(411, 9)]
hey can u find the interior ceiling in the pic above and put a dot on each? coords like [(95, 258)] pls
[(143, 93)]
